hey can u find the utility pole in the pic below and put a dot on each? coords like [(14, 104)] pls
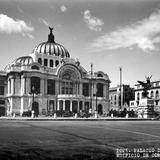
[(121, 97), (91, 85)]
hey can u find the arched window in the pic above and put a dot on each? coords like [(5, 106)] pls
[(57, 63), (35, 67), (45, 62), (99, 75), (69, 83), (99, 90), (152, 94), (157, 94), (142, 96), (39, 60), (51, 63), (115, 97), (138, 96)]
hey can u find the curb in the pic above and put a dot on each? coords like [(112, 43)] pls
[(76, 119)]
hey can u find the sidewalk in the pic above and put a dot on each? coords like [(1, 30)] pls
[(41, 118)]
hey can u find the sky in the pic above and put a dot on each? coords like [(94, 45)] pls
[(108, 33)]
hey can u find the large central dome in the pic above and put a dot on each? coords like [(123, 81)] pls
[(51, 47)]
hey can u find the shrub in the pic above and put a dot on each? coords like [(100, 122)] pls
[(27, 114)]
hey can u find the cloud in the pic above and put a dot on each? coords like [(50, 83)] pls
[(9, 25), (93, 23), (63, 8), (41, 20), (144, 34)]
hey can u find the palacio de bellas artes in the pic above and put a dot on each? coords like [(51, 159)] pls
[(50, 80)]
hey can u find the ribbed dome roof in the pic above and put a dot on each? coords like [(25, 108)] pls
[(26, 60), (51, 47)]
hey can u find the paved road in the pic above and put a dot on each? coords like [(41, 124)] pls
[(75, 139)]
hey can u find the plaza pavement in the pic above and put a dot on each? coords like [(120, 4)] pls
[(49, 139)]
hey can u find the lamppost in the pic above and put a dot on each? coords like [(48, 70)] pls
[(96, 113), (95, 95), (33, 91)]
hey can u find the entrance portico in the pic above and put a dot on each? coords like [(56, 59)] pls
[(71, 105)]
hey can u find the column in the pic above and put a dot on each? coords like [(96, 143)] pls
[(56, 87), (82, 105), (22, 85), (42, 86), (59, 86), (45, 86), (11, 106), (71, 106), (80, 88), (17, 85), (12, 86), (104, 90), (55, 105), (77, 88), (9, 86), (64, 105), (22, 106), (58, 105), (28, 84), (107, 91), (77, 106), (25, 86)]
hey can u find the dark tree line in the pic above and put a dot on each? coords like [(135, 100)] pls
[(122, 113)]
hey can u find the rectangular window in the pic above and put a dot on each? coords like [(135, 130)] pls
[(51, 86), (35, 85), (86, 89), (138, 86), (2, 102), (51, 63), (157, 103), (157, 84), (1, 90), (63, 90), (25, 85), (45, 62), (51, 105), (9, 85), (14, 87), (99, 90)]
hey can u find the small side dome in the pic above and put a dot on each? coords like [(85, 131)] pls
[(26, 60), (101, 74)]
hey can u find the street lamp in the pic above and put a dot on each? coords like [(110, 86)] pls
[(33, 92), (95, 95)]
